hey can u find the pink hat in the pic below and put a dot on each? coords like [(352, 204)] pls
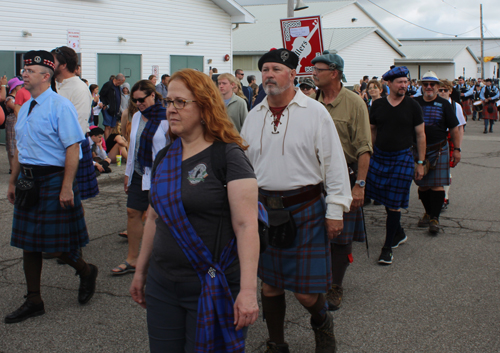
[(13, 83)]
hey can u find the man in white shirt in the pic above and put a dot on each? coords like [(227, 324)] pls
[(73, 88), (294, 146)]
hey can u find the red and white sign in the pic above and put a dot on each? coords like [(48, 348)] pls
[(156, 70), (74, 40), (303, 36)]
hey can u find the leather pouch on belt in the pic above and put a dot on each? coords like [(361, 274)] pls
[(27, 193), (282, 229)]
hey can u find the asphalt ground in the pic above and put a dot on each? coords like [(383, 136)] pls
[(441, 294)]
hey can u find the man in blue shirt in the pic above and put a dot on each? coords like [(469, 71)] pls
[(489, 95), (48, 214)]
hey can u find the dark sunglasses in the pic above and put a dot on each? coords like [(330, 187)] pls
[(443, 90), (140, 100), (432, 84)]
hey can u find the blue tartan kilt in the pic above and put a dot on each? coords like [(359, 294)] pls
[(306, 266), (440, 175), (389, 177), (354, 228), (85, 175), (47, 227)]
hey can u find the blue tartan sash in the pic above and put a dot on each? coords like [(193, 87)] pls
[(215, 330)]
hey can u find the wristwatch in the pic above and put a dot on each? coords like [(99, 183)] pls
[(458, 149), (361, 183), (420, 162)]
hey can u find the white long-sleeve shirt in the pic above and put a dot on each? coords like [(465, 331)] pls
[(306, 151)]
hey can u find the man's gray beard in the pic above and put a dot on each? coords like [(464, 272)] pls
[(276, 90)]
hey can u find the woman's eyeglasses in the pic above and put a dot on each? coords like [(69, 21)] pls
[(140, 100), (443, 90), (178, 103)]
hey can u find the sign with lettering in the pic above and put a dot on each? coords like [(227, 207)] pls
[(74, 40), (303, 36)]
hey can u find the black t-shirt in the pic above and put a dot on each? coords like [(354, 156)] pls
[(203, 196), (395, 125), (438, 117), (110, 142)]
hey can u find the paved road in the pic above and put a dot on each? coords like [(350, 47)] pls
[(440, 295)]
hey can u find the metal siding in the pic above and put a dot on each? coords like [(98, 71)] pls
[(154, 30), (465, 59)]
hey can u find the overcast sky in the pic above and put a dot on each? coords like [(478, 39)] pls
[(447, 16)]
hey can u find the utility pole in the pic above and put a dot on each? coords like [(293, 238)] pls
[(289, 12), (482, 42)]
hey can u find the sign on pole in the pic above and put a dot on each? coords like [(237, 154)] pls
[(74, 40), (303, 36), (156, 70)]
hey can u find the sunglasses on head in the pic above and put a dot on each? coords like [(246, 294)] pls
[(140, 100)]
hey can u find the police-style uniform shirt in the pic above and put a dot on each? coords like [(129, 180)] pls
[(50, 128), (466, 90), (305, 151), (493, 91)]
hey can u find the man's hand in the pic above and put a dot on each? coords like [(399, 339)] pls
[(125, 184), (419, 172), (456, 156), (11, 193), (66, 198), (333, 227), (358, 197)]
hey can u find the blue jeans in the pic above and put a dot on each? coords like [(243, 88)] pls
[(172, 311), (486, 122)]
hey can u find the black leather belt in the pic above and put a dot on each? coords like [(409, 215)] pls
[(278, 202), (35, 171)]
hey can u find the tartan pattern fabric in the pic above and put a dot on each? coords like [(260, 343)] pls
[(215, 331), (354, 228), (10, 133), (466, 106), (155, 114), (306, 266), (492, 116), (47, 227), (440, 175), (389, 177), (85, 175)]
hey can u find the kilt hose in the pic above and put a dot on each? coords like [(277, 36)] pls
[(494, 114), (306, 266), (440, 175), (466, 106), (85, 175), (389, 177), (47, 227), (354, 228)]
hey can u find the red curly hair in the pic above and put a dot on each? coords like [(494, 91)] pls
[(218, 125)]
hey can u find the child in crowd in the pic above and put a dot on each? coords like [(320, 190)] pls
[(101, 159)]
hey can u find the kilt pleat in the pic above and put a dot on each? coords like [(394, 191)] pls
[(389, 177), (493, 115), (85, 175), (354, 228), (47, 227), (466, 106), (439, 176), (306, 266)]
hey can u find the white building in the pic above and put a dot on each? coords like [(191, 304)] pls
[(365, 45), (446, 60), (136, 38)]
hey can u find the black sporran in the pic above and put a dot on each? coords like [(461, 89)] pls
[(282, 229), (27, 193)]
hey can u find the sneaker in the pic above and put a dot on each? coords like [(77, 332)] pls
[(433, 226), (445, 204), (334, 297), (272, 347), (324, 336), (399, 239), (385, 256), (424, 221)]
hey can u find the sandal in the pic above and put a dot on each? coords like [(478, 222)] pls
[(121, 271), (123, 234)]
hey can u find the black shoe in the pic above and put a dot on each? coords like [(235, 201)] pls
[(87, 285), (491, 130), (385, 256), (272, 347), (485, 131), (27, 310), (399, 239), (324, 336)]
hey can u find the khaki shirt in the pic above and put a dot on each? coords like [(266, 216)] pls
[(350, 115)]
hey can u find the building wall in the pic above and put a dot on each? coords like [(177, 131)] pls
[(370, 56), (153, 29), (464, 60)]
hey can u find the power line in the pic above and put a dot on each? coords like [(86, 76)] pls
[(427, 29)]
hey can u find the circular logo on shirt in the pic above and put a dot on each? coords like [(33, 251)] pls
[(37, 59), (199, 173)]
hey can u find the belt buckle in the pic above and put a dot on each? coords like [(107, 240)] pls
[(28, 172), (275, 202)]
